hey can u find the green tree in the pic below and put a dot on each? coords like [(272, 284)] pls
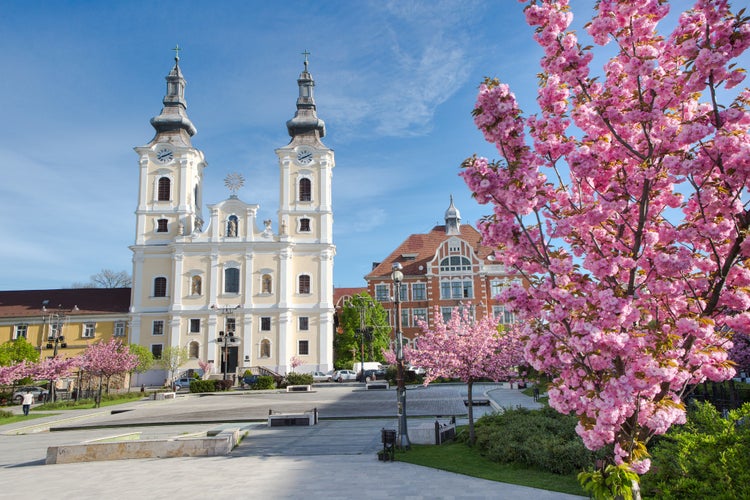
[(172, 357), (15, 351), (361, 317), (145, 359)]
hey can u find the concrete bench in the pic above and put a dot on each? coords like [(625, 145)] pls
[(377, 384), (292, 419), (298, 388), (477, 402), (164, 395), (434, 433)]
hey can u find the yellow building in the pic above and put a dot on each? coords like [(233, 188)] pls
[(200, 276), (64, 322)]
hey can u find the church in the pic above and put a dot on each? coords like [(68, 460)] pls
[(241, 293)]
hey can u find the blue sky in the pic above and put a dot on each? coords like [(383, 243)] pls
[(395, 83)]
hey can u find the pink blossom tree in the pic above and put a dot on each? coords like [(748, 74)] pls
[(11, 374), (468, 350), (53, 369), (625, 208), (294, 362), (106, 359), (207, 367)]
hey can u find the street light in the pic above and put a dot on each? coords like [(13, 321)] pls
[(56, 320), (403, 439), (225, 341)]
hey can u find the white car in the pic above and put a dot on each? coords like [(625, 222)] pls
[(343, 375), (321, 377)]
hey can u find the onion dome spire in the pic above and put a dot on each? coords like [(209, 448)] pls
[(452, 219), (173, 119), (306, 121)]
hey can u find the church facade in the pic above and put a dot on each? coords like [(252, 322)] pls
[(205, 277)]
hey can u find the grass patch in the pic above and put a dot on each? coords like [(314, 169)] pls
[(85, 404), (21, 418), (460, 458)]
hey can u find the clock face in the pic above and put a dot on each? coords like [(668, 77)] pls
[(304, 156), (164, 155)]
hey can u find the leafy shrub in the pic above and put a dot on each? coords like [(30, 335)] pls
[(203, 385), (224, 385), (264, 382), (298, 379), (6, 398), (707, 457), (542, 439)]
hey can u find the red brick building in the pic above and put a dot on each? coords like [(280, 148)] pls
[(447, 268)]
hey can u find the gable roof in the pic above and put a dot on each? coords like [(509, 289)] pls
[(421, 249), (26, 303)]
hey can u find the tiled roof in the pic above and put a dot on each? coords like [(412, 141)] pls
[(25, 303), (425, 246), (339, 293)]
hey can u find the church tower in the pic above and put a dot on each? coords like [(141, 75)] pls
[(199, 279)]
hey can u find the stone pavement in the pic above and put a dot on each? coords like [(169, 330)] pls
[(334, 460)]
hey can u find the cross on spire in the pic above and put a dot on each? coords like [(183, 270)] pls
[(305, 53), (177, 50)]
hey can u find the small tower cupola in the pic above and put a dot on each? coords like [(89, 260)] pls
[(173, 124), (452, 220), (306, 123)]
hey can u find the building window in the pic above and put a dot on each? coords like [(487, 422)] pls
[(419, 314), (20, 331), (160, 287), (232, 280), (265, 348), (419, 291), (193, 349), (88, 330), (265, 324), (230, 325), (381, 293), (195, 325), (446, 312), (305, 190), (232, 226), (404, 289), (161, 226), (404, 317), (468, 290), (455, 263), (456, 289), (156, 350), (196, 285), (304, 284), (303, 347), (304, 323), (445, 289), (157, 327), (496, 288), (165, 188), (266, 284), (119, 329), (503, 315), (304, 225)]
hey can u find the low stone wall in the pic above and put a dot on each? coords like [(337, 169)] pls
[(221, 444)]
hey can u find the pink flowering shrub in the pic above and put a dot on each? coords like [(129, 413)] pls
[(624, 205)]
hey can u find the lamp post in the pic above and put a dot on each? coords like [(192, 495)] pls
[(403, 434), (56, 320), (224, 341)]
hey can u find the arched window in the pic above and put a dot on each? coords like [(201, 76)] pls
[(304, 284), (232, 280), (165, 189), (193, 349), (266, 285), (455, 263), (305, 190), (160, 287), (265, 348), (196, 284), (232, 226)]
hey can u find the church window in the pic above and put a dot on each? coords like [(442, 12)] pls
[(304, 323), (194, 349), (265, 348), (157, 327), (196, 285), (195, 325), (165, 189), (232, 226), (20, 331), (160, 287), (161, 226), (266, 285), (305, 190), (303, 347), (304, 284), (304, 225), (156, 350), (232, 280), (265, 324)]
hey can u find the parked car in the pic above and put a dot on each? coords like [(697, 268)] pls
[(183, 382), (371, 375), (321, 377), (343, 375), (40, 393)]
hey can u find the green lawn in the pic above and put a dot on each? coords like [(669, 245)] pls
[(460, 458), (22, 418), (86, 404)]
